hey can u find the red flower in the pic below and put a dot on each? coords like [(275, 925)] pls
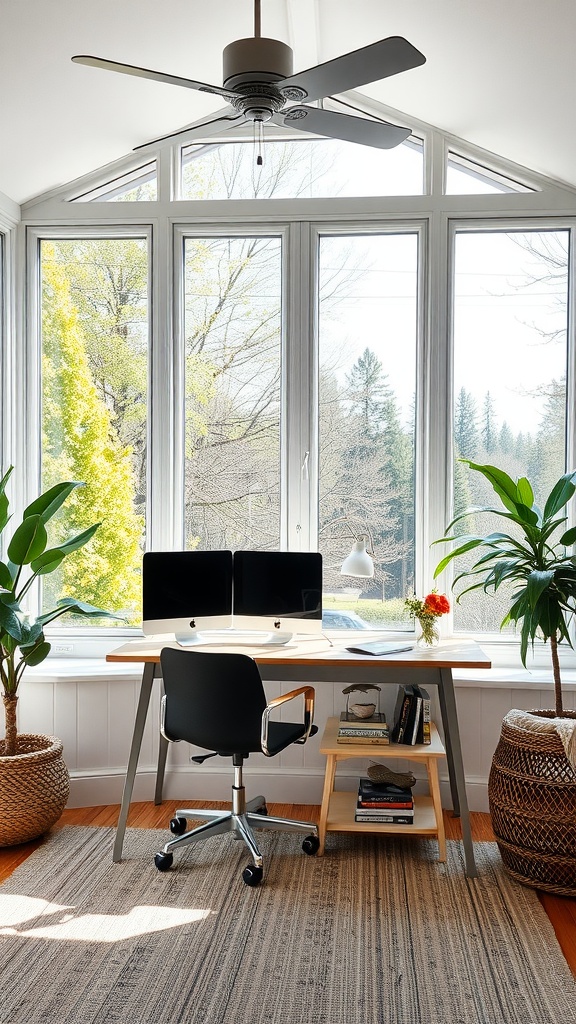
[(436, 604)]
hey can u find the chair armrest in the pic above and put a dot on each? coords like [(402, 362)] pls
[(309, 693)]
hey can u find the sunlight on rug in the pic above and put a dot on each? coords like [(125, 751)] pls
[(376, 931)]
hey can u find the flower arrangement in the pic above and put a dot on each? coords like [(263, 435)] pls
[(427, 611)]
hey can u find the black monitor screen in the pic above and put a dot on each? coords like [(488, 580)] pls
[(179, 584), (283, 583)]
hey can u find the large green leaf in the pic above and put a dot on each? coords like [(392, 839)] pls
[(560, 494), (503, 484), (5, 577), (35, 654), (9, 621), (4, 504), (69, 604), (525, 492), (538, 581), (568, 538), (49, 502), (29, 541), (57, 554)]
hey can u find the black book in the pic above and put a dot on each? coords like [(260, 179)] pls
[(424, 734), (401, 713), (368, 790), (414, 714)]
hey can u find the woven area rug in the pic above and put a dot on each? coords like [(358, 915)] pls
[(375, 932)]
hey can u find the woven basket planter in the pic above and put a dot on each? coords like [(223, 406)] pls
[(34, 788), (532, 797)]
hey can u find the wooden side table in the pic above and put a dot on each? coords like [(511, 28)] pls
[(338, 809)]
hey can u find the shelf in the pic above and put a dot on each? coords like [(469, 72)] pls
[(416, 751), (338, 808), (342, 807)]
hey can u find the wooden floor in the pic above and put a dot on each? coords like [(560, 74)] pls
[(560, 909)]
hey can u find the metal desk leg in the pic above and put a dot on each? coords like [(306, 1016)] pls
[(449, 756), (142, 710), (456, 768), (162, 752)]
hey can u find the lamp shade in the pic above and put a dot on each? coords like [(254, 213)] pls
[(358, 562)]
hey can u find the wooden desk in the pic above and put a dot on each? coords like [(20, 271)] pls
[(316, 661)]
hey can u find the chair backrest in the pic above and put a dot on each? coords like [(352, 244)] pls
[(213, 700)]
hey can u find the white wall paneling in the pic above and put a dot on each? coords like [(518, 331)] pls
[(94, 717)]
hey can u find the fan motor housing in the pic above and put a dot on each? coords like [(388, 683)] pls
[(256, 60)]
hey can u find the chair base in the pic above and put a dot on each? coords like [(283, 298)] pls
[(241, 821)]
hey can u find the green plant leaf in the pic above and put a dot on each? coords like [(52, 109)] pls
[(28, 541), (48, 503), (51, 559), (37, 653), (525, 492), (503, 484), (537, 582), (469, 545), (9, 621), (4, 504), (6, 580), (560, 494), (568, 538), (69, 604)]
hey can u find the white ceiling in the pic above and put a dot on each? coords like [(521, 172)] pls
[(500, 75)]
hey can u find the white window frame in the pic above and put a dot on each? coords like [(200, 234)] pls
[(553, 206)]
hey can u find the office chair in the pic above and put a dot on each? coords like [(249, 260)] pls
[(217, 701)]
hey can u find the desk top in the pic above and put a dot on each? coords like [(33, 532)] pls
[(318, 651)]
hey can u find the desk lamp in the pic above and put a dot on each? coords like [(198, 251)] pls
[(358, 562)]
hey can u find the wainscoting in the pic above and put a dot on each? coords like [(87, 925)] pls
[(91, 706)]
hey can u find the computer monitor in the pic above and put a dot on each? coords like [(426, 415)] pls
[(184, 592), (278, 590)]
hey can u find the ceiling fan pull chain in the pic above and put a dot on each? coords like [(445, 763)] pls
[(259, 125)]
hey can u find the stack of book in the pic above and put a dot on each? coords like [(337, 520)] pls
[(412, 716), (385, 803), (372, 730)]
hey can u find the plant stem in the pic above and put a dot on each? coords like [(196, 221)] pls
[(556, 671), (10, 714)]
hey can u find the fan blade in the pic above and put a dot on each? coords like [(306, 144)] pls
[(343, 126), (156, 76), (360, 67), (203, 130)]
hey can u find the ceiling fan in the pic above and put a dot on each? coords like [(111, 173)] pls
[(260, 86)]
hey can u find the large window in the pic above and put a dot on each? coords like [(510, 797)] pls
[(233, 359), (94, 324), (294, 356), (367, 333), (510, 357)]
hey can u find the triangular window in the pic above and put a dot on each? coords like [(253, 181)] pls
[(136, 186), (467, 177)]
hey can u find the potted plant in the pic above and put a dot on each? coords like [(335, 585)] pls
[(532, 785), (34, 782)]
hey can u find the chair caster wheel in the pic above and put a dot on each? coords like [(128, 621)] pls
[(163, 861), (311, 845), (262, 810), (252, 875), (178, 826)]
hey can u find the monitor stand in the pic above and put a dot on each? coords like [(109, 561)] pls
[(233, 638)]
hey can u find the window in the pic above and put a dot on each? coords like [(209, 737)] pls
[(294, 357), (233, 359), (510, 331), (368, 319), (134, 187), (468, 177), (94, 326), (307, 168)]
